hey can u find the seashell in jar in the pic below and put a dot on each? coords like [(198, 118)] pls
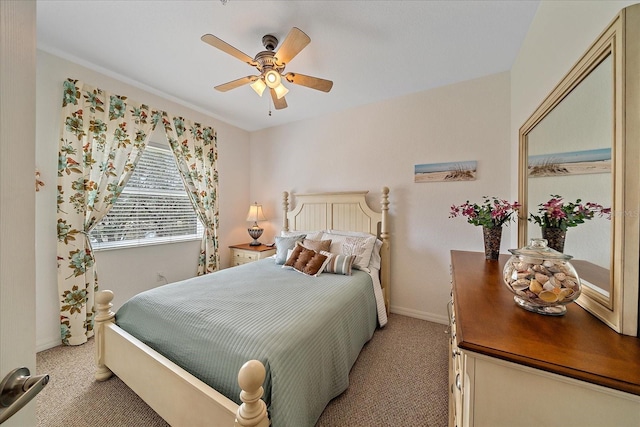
[(565, 293), (520, 285), (542, 278), (547, 263), (539, 268), (549, 286), (548, 296), (560, 276), (523, 275), (535, 287), (570, 283), (556, 269), (521, 266)]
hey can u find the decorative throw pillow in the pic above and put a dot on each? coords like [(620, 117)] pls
[(306, 261), (283, 244), (339, 264), (317, 245), (361, 247)]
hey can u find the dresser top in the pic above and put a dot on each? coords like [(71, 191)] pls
[(575, 345)]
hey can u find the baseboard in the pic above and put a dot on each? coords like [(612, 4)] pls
[(420, 315), (46, 345)]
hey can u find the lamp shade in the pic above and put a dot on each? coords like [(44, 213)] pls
[(259, 86), (255, 213), (280, 90)]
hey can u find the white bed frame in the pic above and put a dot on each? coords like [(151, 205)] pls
[(184, 400)]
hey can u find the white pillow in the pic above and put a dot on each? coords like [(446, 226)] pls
[(375, 261), (349, 244), (311, 235)]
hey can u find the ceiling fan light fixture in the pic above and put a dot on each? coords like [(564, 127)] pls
[(280, 90), (259, 86), (272, 79)]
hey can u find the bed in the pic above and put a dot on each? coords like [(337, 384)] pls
[(289, 337)]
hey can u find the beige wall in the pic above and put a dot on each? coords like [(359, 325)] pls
[(378, 145), (125, 271)]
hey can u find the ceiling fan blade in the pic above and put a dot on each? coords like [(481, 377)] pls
[(309, 81), (236, 83), (278, 103), (226, 47), (295, 41)]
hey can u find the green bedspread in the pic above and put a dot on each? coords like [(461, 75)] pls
[(307, 331)]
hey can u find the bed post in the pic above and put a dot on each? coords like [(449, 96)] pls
[(285, 211), (385, 252), (253, 411), (103, 316)]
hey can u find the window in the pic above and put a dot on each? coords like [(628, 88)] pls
[(153, 207)]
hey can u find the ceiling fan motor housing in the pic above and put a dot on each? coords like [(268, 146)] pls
[(269, 42), (266, 61)]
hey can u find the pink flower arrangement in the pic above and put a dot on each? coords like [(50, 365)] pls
[(555, 213), (492, 213)]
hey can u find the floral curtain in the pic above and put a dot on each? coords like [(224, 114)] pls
[(102, 138), (196, 151)]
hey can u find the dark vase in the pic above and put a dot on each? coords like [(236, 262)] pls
[(492, 238), (554, 237)]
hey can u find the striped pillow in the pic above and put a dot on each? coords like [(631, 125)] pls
[(339, 264)]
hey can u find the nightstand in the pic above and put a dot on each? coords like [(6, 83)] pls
[(244, 253)]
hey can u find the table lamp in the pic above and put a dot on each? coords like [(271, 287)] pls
[(255, 214)]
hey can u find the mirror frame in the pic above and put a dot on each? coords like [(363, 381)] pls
[(621, 40)]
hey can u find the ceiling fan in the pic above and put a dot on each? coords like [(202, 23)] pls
[(271, 66)]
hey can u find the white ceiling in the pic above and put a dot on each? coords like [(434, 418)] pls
[(371, 50)]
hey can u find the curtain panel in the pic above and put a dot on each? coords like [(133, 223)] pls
[(196, 150), (102, 138)]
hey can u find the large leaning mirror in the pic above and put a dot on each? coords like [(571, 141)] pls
[(582, 143)]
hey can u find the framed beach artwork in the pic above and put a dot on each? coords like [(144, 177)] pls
[(451, 171), (570, 163)]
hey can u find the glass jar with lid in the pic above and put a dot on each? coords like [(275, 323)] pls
[(542, 279)]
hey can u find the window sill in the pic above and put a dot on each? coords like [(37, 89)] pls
[(142, 243)]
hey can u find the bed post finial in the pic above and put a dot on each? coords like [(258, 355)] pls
[(253, 411), (385, 251), (285, 210), (384, 207), (103, 316)]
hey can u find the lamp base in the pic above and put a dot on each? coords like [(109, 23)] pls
[(255, 233)]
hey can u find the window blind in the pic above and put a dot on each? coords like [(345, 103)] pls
[(153, 207)]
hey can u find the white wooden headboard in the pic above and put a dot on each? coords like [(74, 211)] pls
[(346, 211)]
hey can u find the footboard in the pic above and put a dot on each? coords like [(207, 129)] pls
[(176, 395)]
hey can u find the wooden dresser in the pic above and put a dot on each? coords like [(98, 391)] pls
[(511, 367)]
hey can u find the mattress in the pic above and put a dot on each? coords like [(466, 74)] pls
[(307, 331)]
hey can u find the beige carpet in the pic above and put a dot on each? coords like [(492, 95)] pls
[(400, 378)]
